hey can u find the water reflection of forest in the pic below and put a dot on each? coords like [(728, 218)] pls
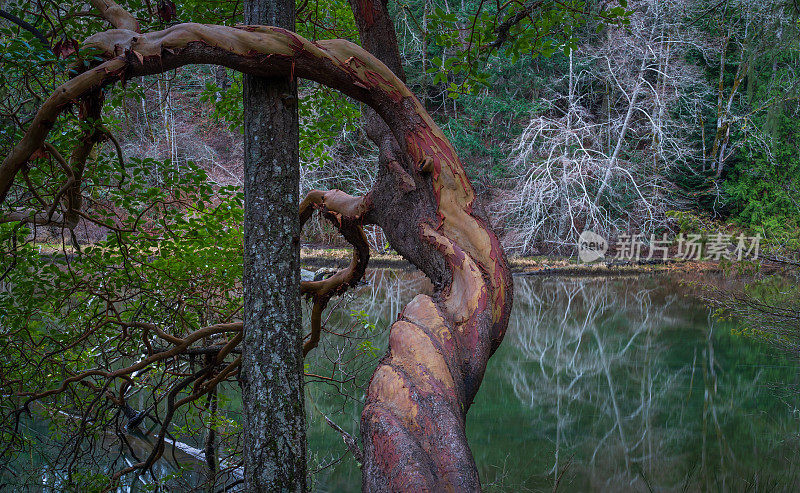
[(615, 384), (636, 388), (626, 384)]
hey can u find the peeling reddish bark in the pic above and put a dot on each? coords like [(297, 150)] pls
[(413, 423)]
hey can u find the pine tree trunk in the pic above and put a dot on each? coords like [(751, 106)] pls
[(272, 360)]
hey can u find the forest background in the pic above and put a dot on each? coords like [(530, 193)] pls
[(640, 117)]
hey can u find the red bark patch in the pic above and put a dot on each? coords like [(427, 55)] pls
[(367, 11), (39, 153)]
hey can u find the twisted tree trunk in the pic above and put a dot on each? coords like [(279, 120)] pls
[(413, 423), (414, 418)]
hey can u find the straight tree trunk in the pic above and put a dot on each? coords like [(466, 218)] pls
[(272, 359)]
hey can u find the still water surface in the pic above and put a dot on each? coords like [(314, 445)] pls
[(602, 384), (617, 384)]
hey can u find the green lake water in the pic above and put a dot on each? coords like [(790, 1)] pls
[(616, 384), (601, 384)]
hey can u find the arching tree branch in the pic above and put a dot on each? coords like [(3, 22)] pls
[(116, 15), (415, 412)]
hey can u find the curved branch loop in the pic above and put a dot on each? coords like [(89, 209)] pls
[(415, 412), (345, 212)]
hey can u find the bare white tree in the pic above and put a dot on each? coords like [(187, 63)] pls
[(595, 349), (594, 164)]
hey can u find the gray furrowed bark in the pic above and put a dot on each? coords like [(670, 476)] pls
[(272, 360)]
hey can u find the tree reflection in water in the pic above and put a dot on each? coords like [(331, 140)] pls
[(603, 384), (603, 366)]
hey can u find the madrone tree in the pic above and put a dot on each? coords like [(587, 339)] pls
[(413, 420)]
